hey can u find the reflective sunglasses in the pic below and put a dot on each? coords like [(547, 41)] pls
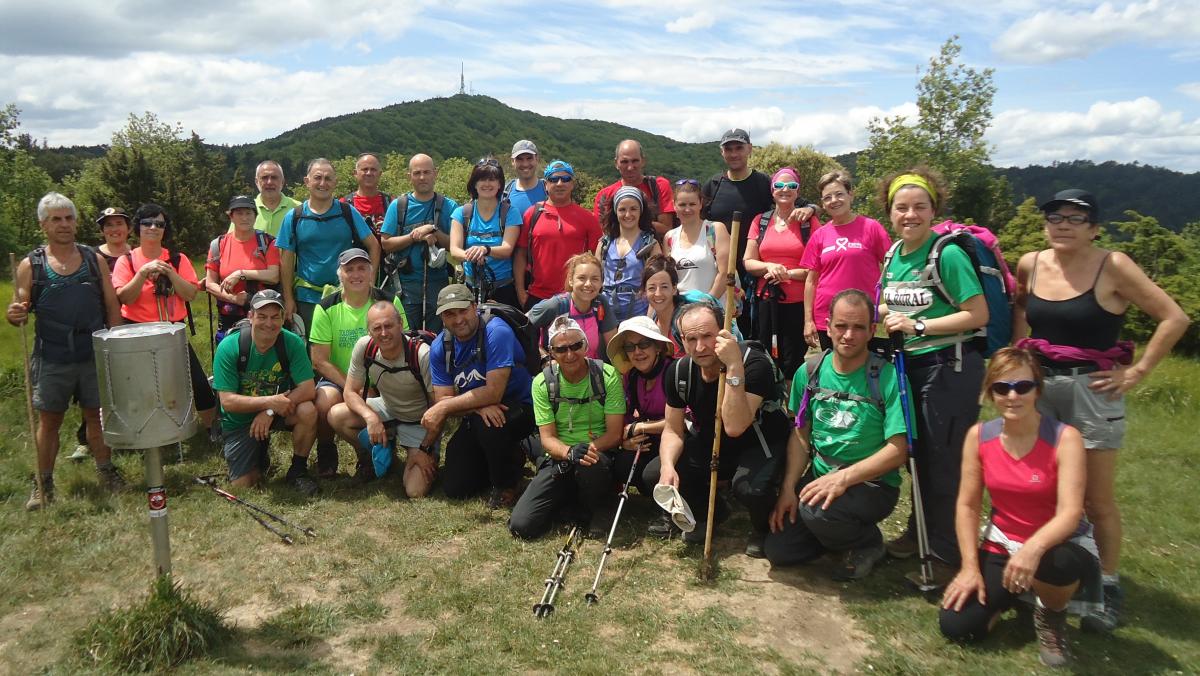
[(559, 179), (687, 181), (1074, 219), (790, 185), (488, 162), (563, 349), (645, 345), (1001, 388)]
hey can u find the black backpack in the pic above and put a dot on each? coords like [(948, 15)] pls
[(50, 320), (516, 320), (814, 391), (595, 374), (396, 260), (377, 294), (298, 214), (37, 267), (242, 329), (764, 222), (412, 352)]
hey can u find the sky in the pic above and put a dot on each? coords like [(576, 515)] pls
[(1075, 80)]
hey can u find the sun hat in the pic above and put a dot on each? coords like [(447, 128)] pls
[(642, 326)]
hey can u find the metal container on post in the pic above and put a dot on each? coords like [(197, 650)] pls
[(146, 402)]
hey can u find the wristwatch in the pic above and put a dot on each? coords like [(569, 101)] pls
[(919, 328), (271, 412), (733, 381)]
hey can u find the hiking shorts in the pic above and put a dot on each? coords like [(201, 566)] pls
[(408, 435), (242, 451), (1100, 420), (55, 384)]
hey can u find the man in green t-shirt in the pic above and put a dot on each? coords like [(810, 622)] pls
[(851, 424), (259, 397), (338, 321), (580, 429)]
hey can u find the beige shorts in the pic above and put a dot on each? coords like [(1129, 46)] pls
[(1098, 418)]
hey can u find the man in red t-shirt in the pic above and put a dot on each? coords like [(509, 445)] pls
[(553, 231), (631, 161), (368, 200)]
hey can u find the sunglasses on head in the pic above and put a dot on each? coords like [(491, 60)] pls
[(488, 162), (790, 185), (1001, 388), (687, 181), (645, 345), (559, 179), (563, 349)]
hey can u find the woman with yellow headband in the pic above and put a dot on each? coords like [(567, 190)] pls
[(944, 370)]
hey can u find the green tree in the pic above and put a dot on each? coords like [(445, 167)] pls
[(954, 110), (1023, 233), (22, 184), (811, 163)]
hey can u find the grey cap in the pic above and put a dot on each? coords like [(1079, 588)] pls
[(352, 254), (454, 297), (266, 297), (523, 147), (735, 136)]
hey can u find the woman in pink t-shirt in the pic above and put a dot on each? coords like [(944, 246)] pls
[(1034, 470), (774, 247), (847, 253), (240, 263)]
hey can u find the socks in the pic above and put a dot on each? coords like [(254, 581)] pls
[(299, 465), (1113, 580)]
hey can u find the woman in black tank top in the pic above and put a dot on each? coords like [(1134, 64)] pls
[(1073, 296)]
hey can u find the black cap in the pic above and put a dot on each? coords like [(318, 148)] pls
[(241, 202), (1076, 198), (112, 211), (735, 136)]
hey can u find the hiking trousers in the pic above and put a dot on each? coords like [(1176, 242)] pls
[(851, 522), (578, 489), (479, 456)]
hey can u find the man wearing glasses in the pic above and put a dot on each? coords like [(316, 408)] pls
[(631, 162), (553, 232), (482, 380), (579, 406)]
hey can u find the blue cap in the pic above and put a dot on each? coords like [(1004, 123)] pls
[(557, 166)]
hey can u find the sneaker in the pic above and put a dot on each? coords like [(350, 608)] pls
[(1106, 620), (1051, 627), (502, 498), (327, 459), (902, 547), (110, 478), (303, 483), (754, 546), (82, 452), (943, 573), (662, 526), (364, 473), (38, 499), (858, 563)]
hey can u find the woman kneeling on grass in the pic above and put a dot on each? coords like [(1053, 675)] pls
[(1034, 470)]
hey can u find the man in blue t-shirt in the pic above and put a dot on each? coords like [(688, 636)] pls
[(491, 392), (528, 188), (415, 265), (260, 397), (309, 249)]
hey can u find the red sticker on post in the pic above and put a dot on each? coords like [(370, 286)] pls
[(157, 497)]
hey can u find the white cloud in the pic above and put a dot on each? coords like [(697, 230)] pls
[(1190, 89), (1125, 131), (1054, 34), (693, 22)]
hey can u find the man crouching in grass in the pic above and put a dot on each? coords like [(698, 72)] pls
[(265, 382)]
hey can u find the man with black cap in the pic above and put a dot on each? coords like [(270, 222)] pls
[(528, 188), (477, 366), (338, 321), (264, 379)]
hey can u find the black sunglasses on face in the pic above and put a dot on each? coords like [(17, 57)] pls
[(1001, 388), (563, 349), (646, 345)]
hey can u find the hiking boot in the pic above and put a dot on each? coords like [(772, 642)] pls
[(1109, 618), (303, 483), (502, 498), (82, 452), (110, 478), (696, 536), (327, 459), (1051, 627), (215, 436), (943, 573), (364, 473), (39, 499), (662, 526), (904, 546), (858, 563), (601, 522), (754, 546)]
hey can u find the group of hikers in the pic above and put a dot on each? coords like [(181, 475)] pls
[(584, 340)]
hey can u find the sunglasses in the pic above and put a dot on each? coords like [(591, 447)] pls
[(559, 179), (488, 162), (644, 345), (563, 349), (151, 223), (1074, 219), (687, 181), (790, 185), (1001, 388)]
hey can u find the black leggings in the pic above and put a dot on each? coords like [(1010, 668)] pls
[(1062, 565), (787, 326)]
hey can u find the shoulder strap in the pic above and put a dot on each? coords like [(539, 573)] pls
[(874, 367), (652, 183), (37, 264), (281, 356), (439, 202), (468, 213), (508, 188), (401, 212), (264, 243), (537, 214), (214, 248), (596, 372), (297, 216), (331, 300), (355, 240), (243, 349), (990, 429), (550, 376), (710, 234), (764, 222)]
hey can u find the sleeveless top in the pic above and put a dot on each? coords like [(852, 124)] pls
[(1024, 493), (623, 279), (646, 394), (1075, 322), (69, 308), (696, 264)]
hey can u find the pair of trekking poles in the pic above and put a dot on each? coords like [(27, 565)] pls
[(566, 555), (254, 511)]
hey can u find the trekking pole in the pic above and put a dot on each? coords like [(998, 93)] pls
[(707, 570), (212, 339), (927, 583), (554, 583), (591, 596), (424, 284), (211, 482), (37, 469), (773, 309)]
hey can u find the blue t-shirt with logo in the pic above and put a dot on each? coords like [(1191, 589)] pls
[(489, 233), (418, 213), (317, 244), (467, 373)]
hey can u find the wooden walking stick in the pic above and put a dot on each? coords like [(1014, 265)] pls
[(37, 468), (707, 569)]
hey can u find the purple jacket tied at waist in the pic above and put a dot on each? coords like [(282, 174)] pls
[(1121, 353)]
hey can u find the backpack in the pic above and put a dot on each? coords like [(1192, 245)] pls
[(516, 320), (513, 184), (48, 322), (813, 390), (242, 329), (412, 342), (538, 209), (651, 204), (377, 294), (395, 261), (468, 210), (298, 215), (643, 245), (37, 266), (387, 199), (806, 228), (990, 268), (595, 374), (264, 242), (174, 259)]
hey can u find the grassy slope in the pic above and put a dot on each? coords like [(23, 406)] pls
[(433, 585)]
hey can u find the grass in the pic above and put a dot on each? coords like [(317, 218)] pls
[(392, 585)]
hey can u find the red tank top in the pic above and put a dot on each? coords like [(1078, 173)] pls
[(1024, 492)]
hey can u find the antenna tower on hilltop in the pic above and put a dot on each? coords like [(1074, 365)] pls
[(462, 78)]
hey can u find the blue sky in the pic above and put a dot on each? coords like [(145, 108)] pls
[(1099, 81)]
